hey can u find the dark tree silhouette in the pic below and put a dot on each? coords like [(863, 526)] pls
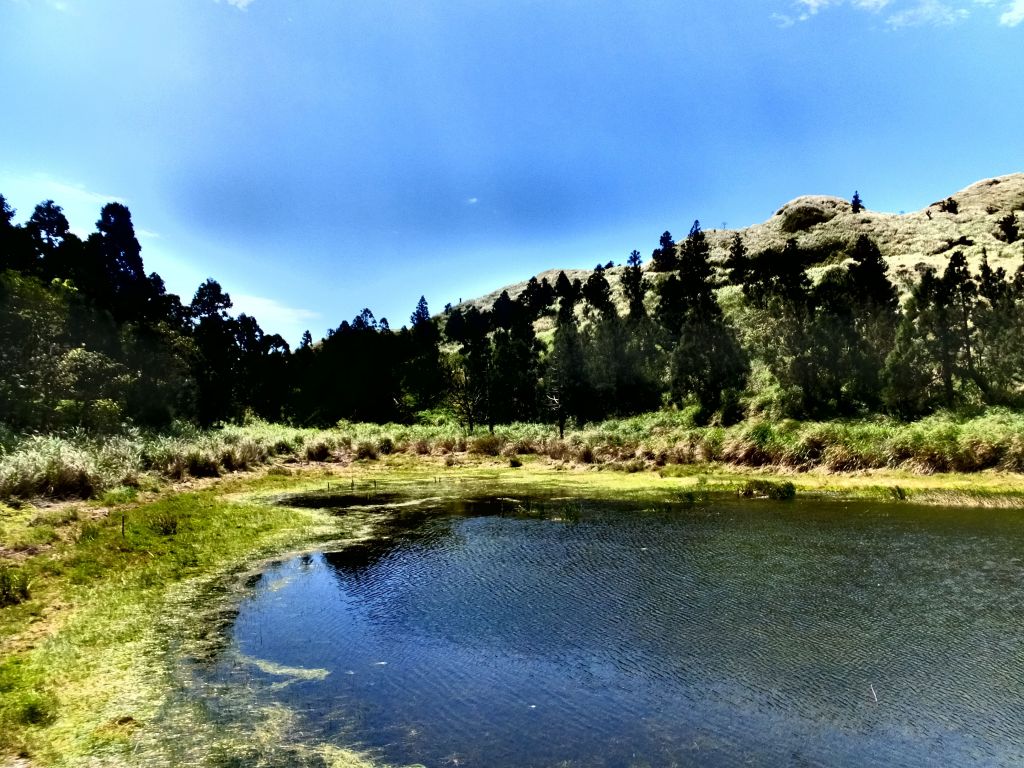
[(856, 205), (663, 258)]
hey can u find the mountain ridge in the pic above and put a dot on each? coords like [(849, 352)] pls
[(965, 221)]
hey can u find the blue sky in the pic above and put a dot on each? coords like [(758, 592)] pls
[(319, 156)]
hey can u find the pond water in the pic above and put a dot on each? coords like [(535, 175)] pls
[(583, 633)]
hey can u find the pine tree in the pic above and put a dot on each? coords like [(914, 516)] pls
[(663, 258), (705, 357), (856, 205), (564, 382), (737, 263)]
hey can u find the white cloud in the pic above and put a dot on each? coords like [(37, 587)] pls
[(903, 12), (81, 205), (472, 200), (272, 315), (240, 4), (1013, 15), (928, 13)]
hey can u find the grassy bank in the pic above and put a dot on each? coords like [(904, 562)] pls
[(89, 662), (86, 466), (121, 588)]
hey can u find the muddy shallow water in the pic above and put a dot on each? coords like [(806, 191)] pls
[(591, 633)]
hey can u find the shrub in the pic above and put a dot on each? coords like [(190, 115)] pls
[(13, 586), (385, 446), (366, 450), (1008, 228), (200, 462), (949, 205), (164, 523), (768, 489), (318, 450), (487, 445), (515, 462)]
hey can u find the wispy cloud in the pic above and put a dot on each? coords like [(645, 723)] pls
[(273, 315), (472, 200), (81, 204), (240, 4), (905, 13), (931, 13), (1013, 15)]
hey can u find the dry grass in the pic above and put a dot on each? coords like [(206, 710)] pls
[(928, 236)]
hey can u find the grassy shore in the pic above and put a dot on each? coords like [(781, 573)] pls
[(120, 587), (87, 466)]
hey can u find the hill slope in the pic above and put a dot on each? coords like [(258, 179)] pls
[(928, 236)]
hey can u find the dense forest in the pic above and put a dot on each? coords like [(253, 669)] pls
[(89, 340)]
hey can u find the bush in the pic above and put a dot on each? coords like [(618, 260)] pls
[(164, 523), (768, 489), (1008, 228), (385, 446), (487, 445), (13, 586), (318, 450), (366, 450)]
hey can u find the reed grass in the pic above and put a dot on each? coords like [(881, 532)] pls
[(79, 465)]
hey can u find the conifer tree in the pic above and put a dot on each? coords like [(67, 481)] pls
[(664, 258), (856, 205), (705, 358), (564, 383)]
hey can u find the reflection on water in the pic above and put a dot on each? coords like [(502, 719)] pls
[(741, 633)]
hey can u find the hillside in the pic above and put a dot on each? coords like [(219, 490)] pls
[(828, 224)]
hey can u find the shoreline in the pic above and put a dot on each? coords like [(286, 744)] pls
[(110, 612)]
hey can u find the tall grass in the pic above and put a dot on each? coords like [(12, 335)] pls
[(81, 465)]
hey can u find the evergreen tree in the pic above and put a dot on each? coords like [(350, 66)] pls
[(663, 258), (933, 355), (737, 263), (874, 314), (564, 382), (472, 371), (424, 376), (638, 385), (856, 205), (705, 357), (999, 321)]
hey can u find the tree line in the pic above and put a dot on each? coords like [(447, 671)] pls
[(89, 339)]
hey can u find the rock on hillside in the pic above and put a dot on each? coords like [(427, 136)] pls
[(907, 240)]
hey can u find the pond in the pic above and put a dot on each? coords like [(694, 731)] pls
[(568, 632)]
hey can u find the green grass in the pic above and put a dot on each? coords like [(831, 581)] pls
[(88, 672), (125, 588), (116, 469)]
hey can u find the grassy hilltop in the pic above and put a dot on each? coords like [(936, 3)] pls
[(966, 221)]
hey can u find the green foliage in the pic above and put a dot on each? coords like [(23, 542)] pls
[(768, 489), (14, 586), (366, 451)]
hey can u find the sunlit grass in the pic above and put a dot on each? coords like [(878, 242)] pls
[(81, 466)]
